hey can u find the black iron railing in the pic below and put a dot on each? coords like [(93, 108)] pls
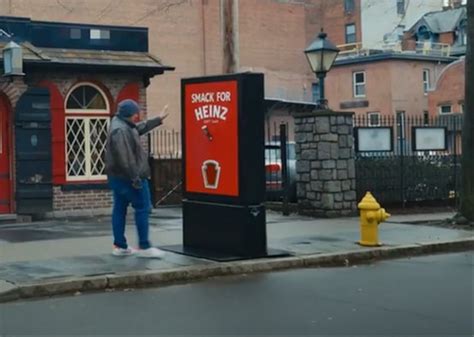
[(406, 175)]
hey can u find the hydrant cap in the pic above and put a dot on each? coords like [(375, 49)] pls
[(369, 203)]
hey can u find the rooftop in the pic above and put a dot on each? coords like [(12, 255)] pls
[(384, 56), (442, 21), (146, 62), (79, 45), (75, 36), (431, 52)]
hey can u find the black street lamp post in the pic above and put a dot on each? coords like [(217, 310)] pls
[(321, 55)]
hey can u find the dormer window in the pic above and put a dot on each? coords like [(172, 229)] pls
[(423, 34)]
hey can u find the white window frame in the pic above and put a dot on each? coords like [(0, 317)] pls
[(426, 81), (445, 113), (355, 84), (369, 120), (352, 34), (85, 111), (86, 115)]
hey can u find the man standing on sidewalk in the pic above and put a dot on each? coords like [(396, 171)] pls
[(128, 173)]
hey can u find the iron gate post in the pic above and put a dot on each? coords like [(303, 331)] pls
[(284, 168)]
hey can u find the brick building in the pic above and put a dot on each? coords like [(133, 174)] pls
[(270, 37), (54, 118), (447, 94), (445, 30), (384, 83)]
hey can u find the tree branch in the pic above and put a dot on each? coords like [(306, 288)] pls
[(163, 7)]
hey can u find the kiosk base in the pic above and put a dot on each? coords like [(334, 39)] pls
[(220, 256), (223, 232)]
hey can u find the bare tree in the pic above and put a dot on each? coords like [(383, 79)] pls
[(162, 6), (230, 36), (467, 192)]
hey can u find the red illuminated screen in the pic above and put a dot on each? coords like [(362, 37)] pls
[(211, 120)]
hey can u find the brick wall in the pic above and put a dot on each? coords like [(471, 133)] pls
[(446, 38), (330, 15), (80, 200), (272, 37), (390, 85), (111, 84), (449, 88)]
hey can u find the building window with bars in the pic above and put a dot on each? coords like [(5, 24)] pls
[(358, 83), (87, 122)]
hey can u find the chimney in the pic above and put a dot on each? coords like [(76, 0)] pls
[(456, 3)]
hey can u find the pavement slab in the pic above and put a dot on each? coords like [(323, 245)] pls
[(36, 258)]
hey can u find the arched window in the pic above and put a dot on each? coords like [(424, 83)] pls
[(87, 121)]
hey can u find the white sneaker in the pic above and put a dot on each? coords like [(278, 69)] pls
[(151, 253), (117, 251)]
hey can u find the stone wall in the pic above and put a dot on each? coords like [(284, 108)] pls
[(325, 164)]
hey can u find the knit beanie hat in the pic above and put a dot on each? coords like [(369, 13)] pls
[(127, 108)]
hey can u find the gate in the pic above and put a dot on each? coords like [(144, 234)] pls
[(166, 168), (280, 165), (34, 190)]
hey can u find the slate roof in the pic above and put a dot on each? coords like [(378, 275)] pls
[(442, 21), (93, 58)]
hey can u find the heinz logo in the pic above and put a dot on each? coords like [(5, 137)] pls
[(211, 111)]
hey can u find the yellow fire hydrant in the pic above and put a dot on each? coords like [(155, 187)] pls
[(371, 215)]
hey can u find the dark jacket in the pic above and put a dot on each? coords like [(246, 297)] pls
[(125, 156)]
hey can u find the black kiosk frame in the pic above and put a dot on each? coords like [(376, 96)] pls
[(219, 226)]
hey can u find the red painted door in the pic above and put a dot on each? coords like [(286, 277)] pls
[(5, 186)]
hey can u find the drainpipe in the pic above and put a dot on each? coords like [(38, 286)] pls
[(204, 53)]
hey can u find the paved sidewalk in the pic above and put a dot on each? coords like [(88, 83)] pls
[(58, 252)]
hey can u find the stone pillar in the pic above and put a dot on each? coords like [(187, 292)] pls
[(325, 167)]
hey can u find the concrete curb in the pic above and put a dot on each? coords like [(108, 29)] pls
[(141, 279)]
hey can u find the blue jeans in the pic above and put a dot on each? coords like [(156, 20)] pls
[(124, 194)]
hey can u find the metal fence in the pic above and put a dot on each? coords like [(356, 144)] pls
[(165, 144), (166, 158), (406, 175), (280, 165), (166, 169)]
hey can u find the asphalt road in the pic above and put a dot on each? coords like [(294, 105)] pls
[(431, 296)]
